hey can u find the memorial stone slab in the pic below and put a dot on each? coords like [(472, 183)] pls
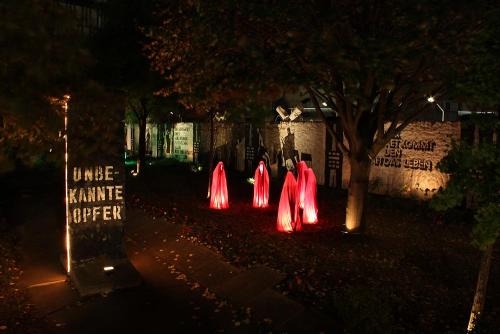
[(95, 206)]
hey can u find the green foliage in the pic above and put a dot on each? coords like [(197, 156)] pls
[(475, 172), (487, 229)]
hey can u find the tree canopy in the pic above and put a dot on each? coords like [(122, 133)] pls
[(202, 60), (474, 170), (475, 167), (41, 56), (477, 82), (374, 63)]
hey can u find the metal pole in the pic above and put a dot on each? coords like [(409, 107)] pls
[(442, 112)]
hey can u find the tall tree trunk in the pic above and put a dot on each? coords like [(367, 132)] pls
[(469, 197), (357, 193), (211, 152), (482, 284), (142, 144)]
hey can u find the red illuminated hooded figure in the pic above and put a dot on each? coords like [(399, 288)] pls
[(261, 187), (218, 193), (310, 212), (288, 210), (301, 182)]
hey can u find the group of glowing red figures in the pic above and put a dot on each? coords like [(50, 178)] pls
[(298, 196)]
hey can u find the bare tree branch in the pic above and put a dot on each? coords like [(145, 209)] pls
[(332, 132)]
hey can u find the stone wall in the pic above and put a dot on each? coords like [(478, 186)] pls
[(309, 142), (407, 165), (226, 137)]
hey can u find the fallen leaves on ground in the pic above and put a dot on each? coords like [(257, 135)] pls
[(407, 261)]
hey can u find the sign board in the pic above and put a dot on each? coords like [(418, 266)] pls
[(183, 142), (334, 160), (96, 209), (249, 153), (398, 151), (95, 178)]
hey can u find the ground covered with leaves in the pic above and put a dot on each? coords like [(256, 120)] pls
[(16, 313), (411, 272)]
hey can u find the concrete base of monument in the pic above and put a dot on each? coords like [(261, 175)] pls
[(103, 275), (354, 235)]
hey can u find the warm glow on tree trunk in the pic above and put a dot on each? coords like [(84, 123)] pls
[(482, 284), (358, 189)]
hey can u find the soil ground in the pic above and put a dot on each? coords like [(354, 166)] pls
[(411, 272), (186, 287)]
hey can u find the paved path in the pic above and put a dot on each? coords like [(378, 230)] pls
[(187, 287), (251, 288)]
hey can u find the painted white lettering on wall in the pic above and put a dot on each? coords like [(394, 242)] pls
[(183, 141), (95, 194), (93, 173), (392, 156), (92, 197)]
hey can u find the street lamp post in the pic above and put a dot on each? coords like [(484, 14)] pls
[(431, 99)]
